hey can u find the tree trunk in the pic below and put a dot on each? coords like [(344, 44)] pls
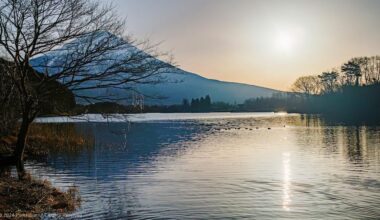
[(21, 143), (6, 161), (357, 81)]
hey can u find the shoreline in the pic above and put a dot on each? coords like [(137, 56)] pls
[(144, 117), (42, 198)]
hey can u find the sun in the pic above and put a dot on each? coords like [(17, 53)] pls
[(285, 41)]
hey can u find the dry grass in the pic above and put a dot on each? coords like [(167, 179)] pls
[(31, 198), (58, 138), (44, 139)]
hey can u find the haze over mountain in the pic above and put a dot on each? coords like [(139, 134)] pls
[(192, 85), (176, 85)]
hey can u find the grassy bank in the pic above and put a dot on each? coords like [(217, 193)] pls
[(29, 198)]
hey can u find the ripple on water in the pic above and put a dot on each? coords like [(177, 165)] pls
[(224, 168)]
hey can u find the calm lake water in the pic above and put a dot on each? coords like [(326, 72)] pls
[(303, 167)]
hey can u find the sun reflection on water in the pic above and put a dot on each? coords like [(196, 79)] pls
[(286, 197)]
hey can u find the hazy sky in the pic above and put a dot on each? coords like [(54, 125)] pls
[(266, 43)]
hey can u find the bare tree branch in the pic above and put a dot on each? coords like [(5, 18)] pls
[(78, 43)]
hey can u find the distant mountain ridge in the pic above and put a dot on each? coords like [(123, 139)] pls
[(178, 84), (191, 85)]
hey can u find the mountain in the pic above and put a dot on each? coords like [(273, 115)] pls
[(182, 84), (177, 84)]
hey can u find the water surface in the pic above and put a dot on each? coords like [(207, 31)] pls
[(273, 167)]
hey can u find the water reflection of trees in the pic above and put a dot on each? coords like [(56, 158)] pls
[(310, 120), (357, 142)]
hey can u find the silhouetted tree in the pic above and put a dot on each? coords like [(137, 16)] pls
[(338, 98), (92, 33), (185, 105), (329, 81), (202, 104), (308, 85), (185, 102), (208, 101), (370, 69), (352, 71)]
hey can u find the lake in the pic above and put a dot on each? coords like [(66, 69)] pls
[(221, 165)]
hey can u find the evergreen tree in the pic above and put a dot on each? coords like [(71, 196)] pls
[(208, 101)]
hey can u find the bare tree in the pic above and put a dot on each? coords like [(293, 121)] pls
[(308, 85), (77, 43), (370, 69)]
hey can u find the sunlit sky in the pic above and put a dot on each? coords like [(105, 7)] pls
[(268, 43)]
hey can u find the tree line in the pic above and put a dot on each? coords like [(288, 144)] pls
[(202, 104), (350, 92), (360, 71)]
